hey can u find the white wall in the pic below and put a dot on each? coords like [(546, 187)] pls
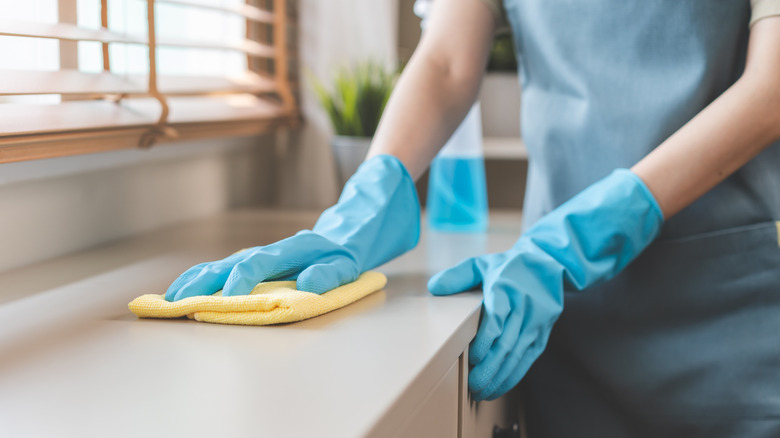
[(54, 207), (333, 34)]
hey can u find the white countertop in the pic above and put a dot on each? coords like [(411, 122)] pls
[(75, 362)]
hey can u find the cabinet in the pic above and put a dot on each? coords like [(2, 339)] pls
[(449, 412), (438, 416)]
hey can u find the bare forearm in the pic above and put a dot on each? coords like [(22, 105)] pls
[(424, 110), (721, 139), (724, 136), (438, 86)]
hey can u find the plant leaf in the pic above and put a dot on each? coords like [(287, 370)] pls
[(358, 98)]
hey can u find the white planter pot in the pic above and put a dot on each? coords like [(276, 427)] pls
[(348, 153), (500, 99)]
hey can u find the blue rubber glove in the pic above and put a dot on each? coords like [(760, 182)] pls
[(587, 240), (376, 219)]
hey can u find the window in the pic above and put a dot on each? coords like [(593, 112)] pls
[(79, 76)]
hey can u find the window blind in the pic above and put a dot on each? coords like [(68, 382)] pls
[(114, 108)]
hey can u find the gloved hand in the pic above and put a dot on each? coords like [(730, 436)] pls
[(376, 219), (588, 239)]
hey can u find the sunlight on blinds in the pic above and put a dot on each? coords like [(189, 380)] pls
[(29, 54), (207, 55)]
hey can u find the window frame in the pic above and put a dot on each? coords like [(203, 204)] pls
[(170, 109)]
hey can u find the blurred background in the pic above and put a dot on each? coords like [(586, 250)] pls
[(63, 191)]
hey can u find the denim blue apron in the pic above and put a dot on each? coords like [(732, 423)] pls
[(685, 341)]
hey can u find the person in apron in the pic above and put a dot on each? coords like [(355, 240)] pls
[(684, 341), (651, 213)]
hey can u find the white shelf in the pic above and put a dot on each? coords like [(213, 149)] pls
[(504, 148)]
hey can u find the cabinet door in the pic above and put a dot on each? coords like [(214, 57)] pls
[(437, 417), (479, 419)]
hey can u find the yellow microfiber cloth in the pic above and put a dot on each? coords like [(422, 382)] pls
[(272, 302)]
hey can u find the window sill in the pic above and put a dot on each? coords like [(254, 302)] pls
[(74, 128)]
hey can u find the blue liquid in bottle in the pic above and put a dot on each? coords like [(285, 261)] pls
[(457, 194)]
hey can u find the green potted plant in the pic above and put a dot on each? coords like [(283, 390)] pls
[(354, 103)]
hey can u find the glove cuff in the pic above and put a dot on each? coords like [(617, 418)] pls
[(595, 234), (642, 187), (377, 216)]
